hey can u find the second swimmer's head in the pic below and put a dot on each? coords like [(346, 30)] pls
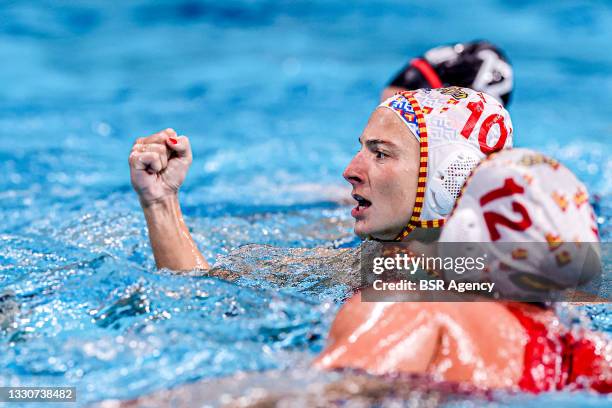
[(416, 150), (478, 65)]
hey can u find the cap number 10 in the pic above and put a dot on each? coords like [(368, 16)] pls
[(494, 119)]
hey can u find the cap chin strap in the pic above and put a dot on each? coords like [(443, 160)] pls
[(415, 218)]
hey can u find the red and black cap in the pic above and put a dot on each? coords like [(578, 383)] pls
[(478, 65)]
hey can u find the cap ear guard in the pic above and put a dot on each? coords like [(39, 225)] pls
[(465, 224), (447, 179), (555, 250)]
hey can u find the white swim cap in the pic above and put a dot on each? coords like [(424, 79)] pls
[(531, 217), (456, 128)]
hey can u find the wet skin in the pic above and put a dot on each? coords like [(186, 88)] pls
[(479, 342), (384, 176), (384, 172), (158, 167)]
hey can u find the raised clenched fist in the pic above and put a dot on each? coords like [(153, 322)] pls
[(159, 165)]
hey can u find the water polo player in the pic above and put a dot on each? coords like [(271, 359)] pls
[(441, 135), (517, 196), (478, 65), (417, 149)]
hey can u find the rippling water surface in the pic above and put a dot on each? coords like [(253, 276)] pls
[(273, 95)]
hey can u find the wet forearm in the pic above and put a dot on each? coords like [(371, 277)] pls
[(172, 244)]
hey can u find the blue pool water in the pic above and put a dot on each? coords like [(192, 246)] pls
[(273, 95)]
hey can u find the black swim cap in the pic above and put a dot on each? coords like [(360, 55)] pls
[(478, 65)]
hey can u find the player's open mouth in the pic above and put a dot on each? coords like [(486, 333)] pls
[(362, 206)]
